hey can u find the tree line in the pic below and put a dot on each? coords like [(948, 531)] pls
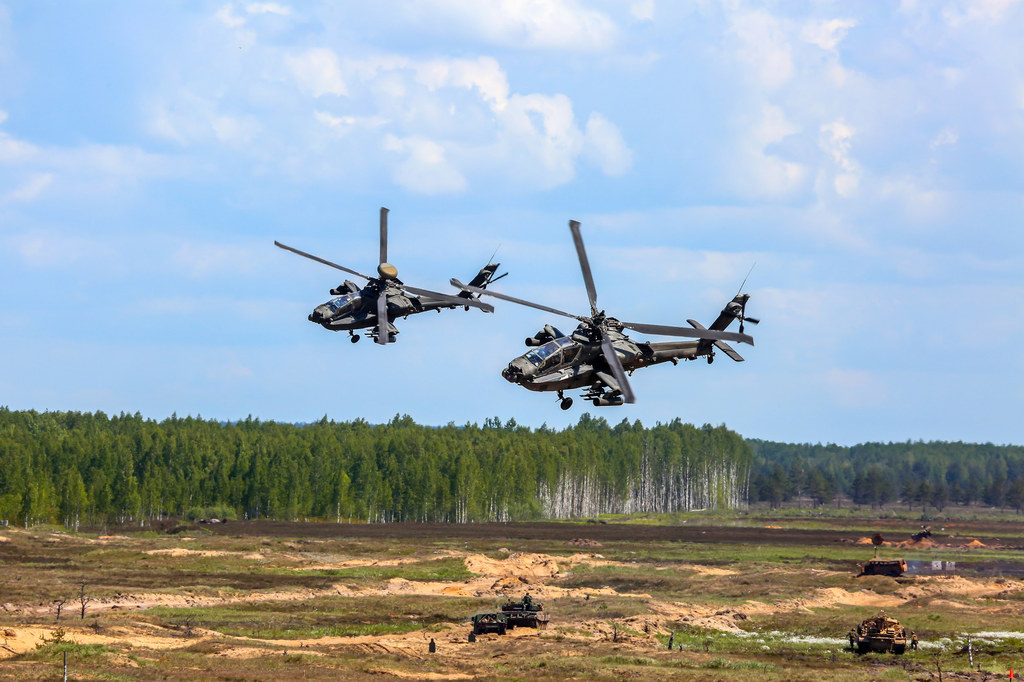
[(929, 475), (74, 468)]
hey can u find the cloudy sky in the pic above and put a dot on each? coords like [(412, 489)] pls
[(868, 157)]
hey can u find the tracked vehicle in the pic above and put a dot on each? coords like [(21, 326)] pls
[(881, 633), (490, 622), (890, 567), (526, 613)]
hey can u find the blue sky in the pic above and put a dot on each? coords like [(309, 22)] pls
[(869, 157)]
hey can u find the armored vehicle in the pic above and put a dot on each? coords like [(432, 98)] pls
[(490, 622), (525, 613), (881, 633), (890, 567)]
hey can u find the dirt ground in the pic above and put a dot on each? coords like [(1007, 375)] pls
[(611, 612), (955, 534)]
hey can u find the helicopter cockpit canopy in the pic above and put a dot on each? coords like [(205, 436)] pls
[(549, 354), (343, 303)]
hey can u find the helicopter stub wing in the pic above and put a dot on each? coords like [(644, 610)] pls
[(719, 344)]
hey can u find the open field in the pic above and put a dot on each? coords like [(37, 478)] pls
[(742, 597)]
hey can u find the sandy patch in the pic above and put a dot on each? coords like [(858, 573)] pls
[(702, 570), (329, 564), (181, 551)]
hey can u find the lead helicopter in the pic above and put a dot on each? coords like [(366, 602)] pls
[(598, 354), (385, 298)]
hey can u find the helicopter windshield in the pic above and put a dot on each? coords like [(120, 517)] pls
[(547, 355), (336, 304)]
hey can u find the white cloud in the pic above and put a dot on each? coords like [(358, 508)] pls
[(483, 74), (920, 201), (549, 24), (545, 128), (642, 10), (605, 146), (317, 71), (764, 48), (193, 118), (30, 189), (835, 142), (826, 34), (961, 12), (424, 168), (268, 8), (755, 172), (50, 249), (227, 17), (201, 260), (946, 137)]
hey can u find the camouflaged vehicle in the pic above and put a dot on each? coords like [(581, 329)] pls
[(881, 633), (526, 613), (890, 567), (490, 622)]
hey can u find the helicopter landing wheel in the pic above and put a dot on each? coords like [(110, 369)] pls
[(711, 358), (566, 403), (354, 339)]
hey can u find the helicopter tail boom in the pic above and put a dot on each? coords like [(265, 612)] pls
[(482, 279)]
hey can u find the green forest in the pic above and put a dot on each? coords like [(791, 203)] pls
[(929, 475), (87, 468), (74, 468)]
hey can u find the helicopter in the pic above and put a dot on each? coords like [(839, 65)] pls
[(597, 354), (385, 298)]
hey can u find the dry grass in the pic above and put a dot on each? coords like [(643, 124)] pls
[(194, 605)]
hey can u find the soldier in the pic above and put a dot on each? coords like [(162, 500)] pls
[(913, 641), (528, 602)]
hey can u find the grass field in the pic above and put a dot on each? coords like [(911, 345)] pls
[(758, 595)]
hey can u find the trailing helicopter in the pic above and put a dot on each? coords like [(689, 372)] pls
[(597, 354), (385, 298)]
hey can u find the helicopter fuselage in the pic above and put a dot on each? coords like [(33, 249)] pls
[(576, 360), (357, 308)]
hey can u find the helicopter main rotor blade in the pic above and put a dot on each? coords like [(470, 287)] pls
[(615, 364), (588, 277), (454, 300), (709, 334), (495, 294), (383, 336), (318, 259), (383, 235)]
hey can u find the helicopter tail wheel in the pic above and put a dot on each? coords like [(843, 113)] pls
[(711, 358)]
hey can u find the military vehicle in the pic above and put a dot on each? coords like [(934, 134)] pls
[(490, 622), (526, 613), (890, 567), (597, 355), (881, 633), (385, 298)]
